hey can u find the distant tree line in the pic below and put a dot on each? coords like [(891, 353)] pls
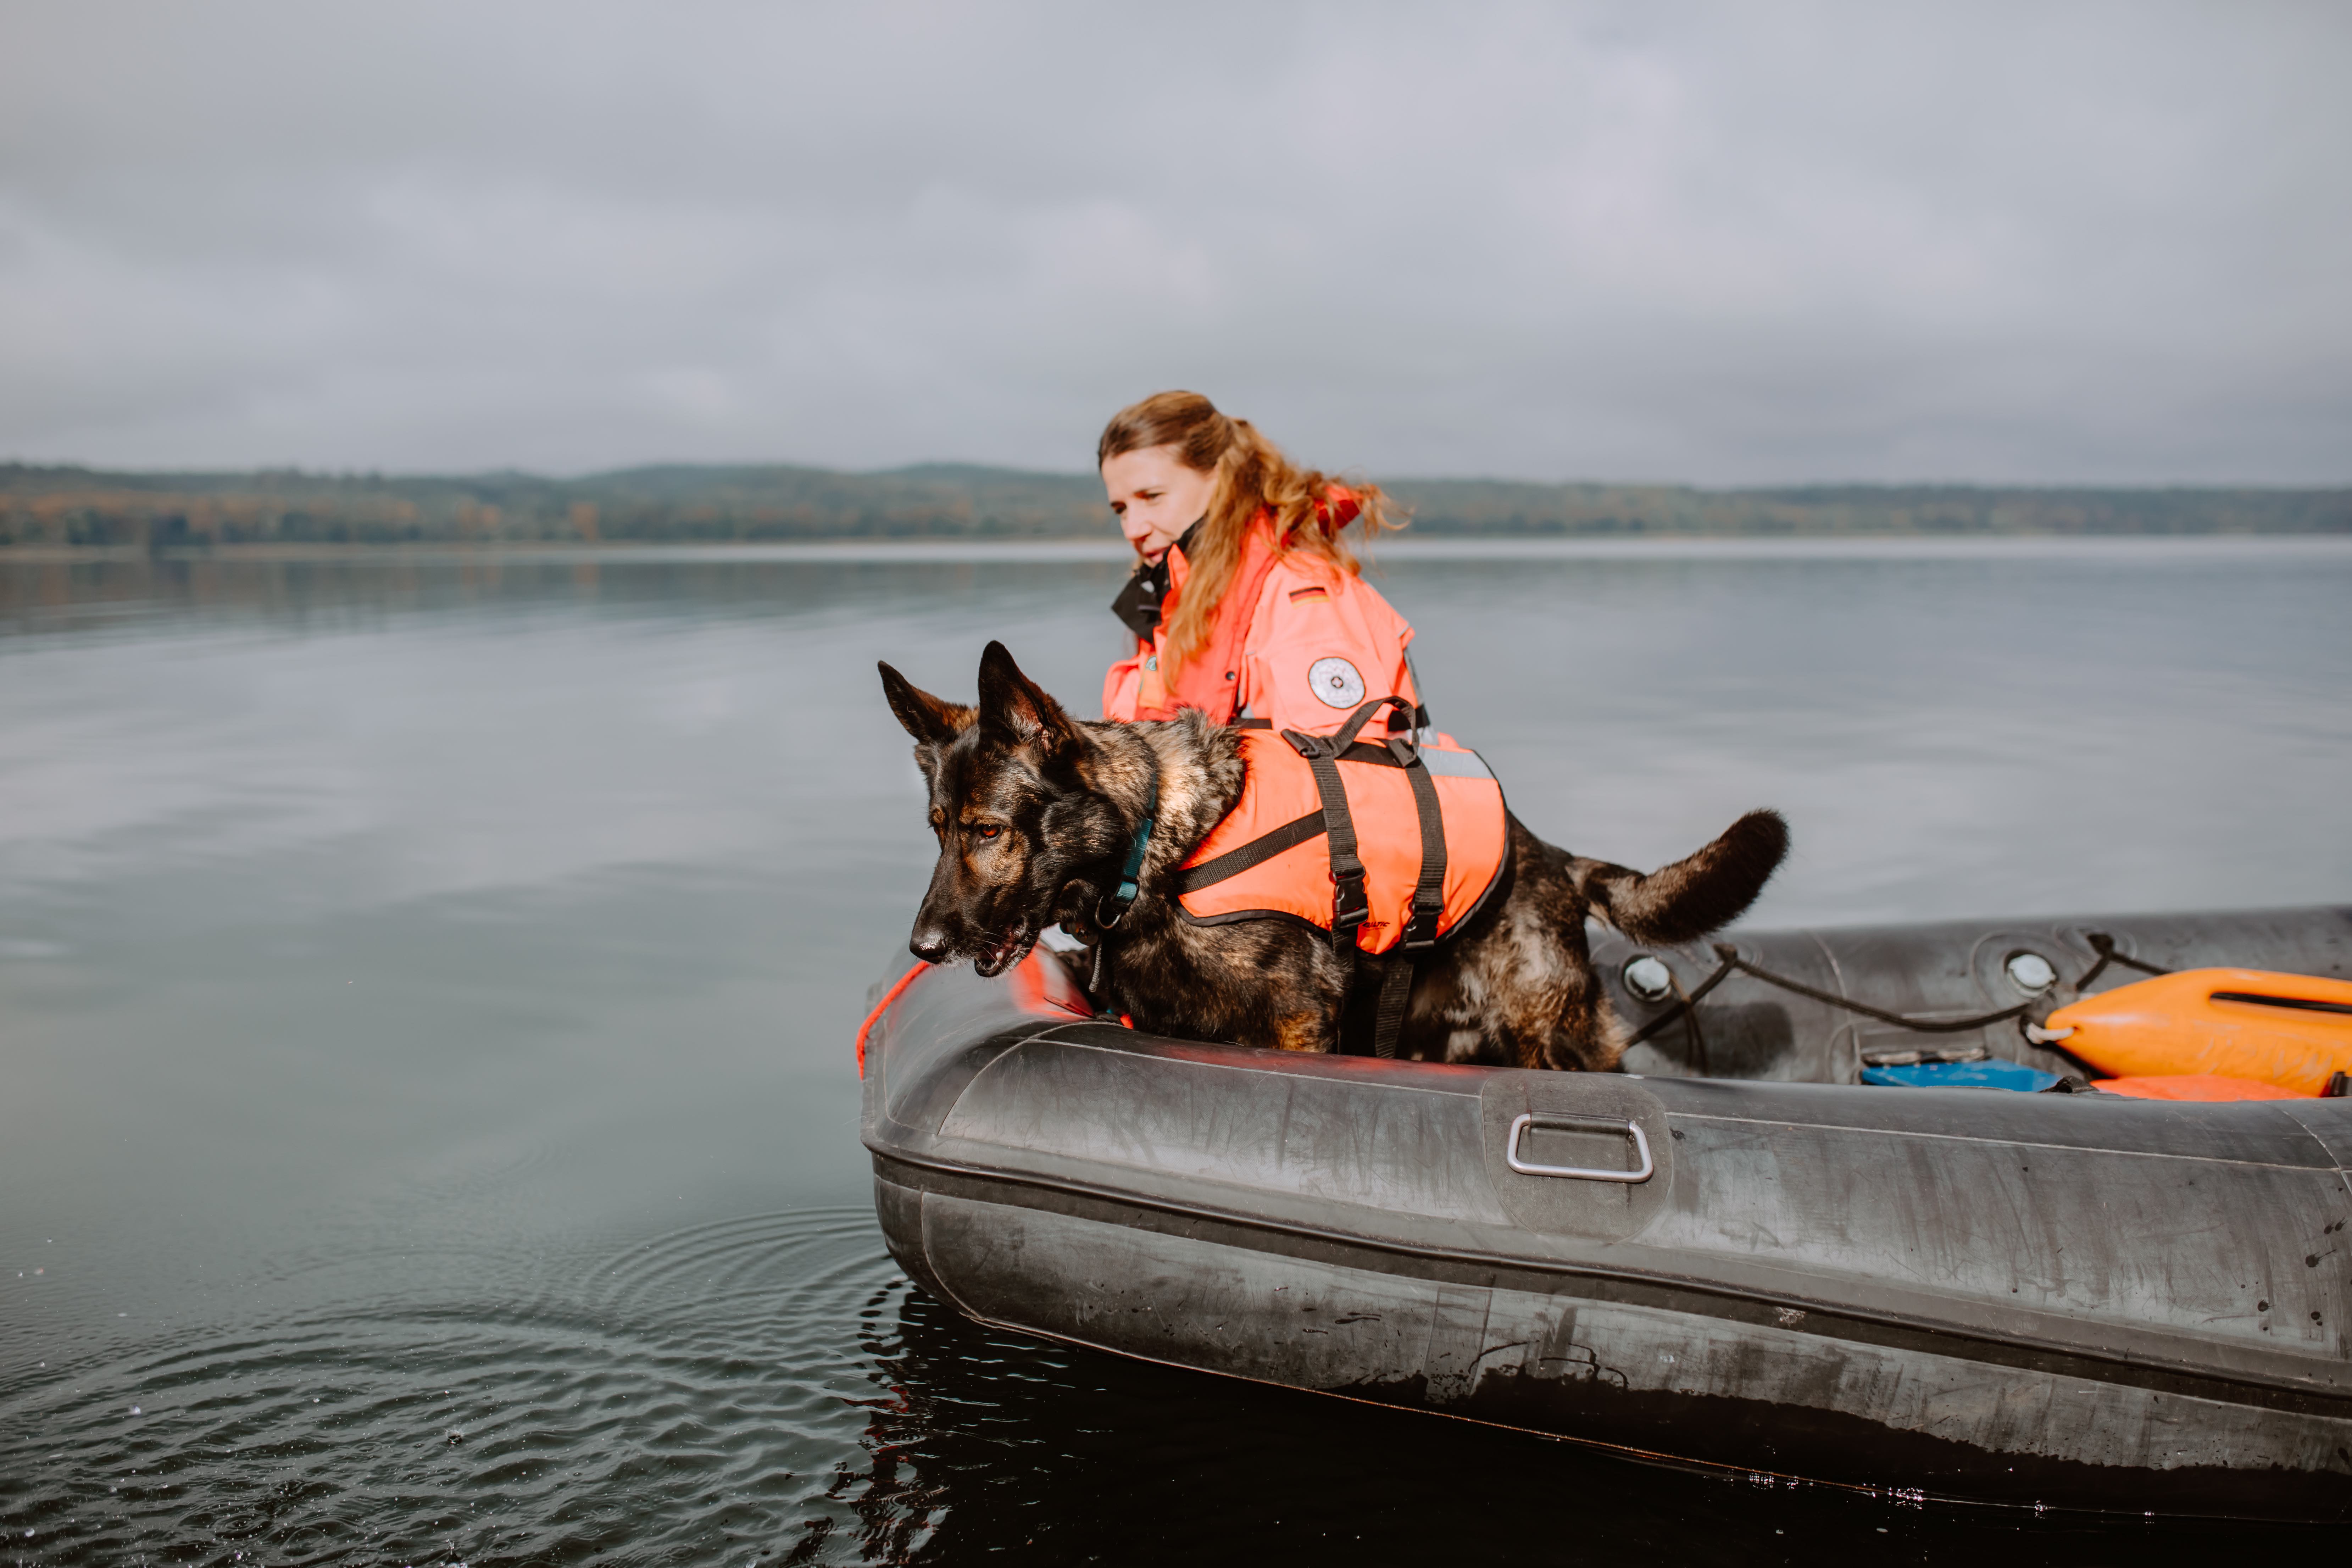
[(1488, 507), (163, 512)]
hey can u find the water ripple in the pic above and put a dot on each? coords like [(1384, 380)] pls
[(690, 1398)]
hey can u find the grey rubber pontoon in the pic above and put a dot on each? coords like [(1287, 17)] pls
[(2068, 1300)]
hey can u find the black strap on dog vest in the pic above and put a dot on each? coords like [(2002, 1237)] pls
[(1396, 990), (1415, 719), (1350, 905), (1428, 904), (1428, 889), (1255, 853)]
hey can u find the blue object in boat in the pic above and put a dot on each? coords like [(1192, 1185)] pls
[(1993, 1073)]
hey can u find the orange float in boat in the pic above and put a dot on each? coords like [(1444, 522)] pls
[(2291, 1030)]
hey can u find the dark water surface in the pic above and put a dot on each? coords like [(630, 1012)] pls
[(427, 1131)]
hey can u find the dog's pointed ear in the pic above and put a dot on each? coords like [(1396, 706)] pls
[(1017, 707), (934, 721)]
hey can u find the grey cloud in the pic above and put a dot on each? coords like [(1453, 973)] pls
[(1719, 243)]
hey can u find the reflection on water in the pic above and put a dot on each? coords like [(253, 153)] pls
[(426, 1133)]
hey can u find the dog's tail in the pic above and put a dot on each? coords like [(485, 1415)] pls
[(1698, 894)]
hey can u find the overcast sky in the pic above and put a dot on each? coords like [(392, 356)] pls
[(1719, 244)]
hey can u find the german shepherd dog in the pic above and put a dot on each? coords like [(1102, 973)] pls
[(1036, 811)]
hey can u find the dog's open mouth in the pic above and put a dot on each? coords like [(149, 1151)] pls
[(1010, 950)]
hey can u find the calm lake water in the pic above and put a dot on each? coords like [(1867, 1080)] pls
[(427, 1129)]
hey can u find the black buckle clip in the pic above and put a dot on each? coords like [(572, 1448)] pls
[(1420, 931), (1350, 906)]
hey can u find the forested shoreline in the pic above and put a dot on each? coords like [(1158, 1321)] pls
[(78, 507)]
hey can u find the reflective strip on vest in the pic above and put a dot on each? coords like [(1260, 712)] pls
[(1279, 793)]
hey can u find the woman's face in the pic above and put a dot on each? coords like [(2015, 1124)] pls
[(1156, 496)]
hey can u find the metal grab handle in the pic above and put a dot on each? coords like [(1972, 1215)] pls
[(1584, 1173)]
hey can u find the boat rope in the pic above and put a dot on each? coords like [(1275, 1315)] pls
[(1731, 963), (1689, 1011), (2104, 946)]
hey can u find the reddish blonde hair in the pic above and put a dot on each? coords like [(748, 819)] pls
[(1251, 477)]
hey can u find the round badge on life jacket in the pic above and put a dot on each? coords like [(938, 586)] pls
[(1336, 683)]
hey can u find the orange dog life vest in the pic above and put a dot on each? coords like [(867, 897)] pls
[(1411, 839)]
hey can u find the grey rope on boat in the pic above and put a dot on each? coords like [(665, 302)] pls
[(2104, 946), (1731, 963), (1689, 1010)]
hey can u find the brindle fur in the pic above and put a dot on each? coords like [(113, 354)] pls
[(1034, 812)]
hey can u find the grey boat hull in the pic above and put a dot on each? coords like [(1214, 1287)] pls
[(2068, 1300)]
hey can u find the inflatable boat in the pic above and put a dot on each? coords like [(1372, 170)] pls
[(1736, 1253)]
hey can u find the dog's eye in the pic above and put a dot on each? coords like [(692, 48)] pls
[(991, 831)]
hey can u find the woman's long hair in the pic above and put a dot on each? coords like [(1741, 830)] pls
[(1252, 476)]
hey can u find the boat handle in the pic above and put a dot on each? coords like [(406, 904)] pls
[(1586, 1172)]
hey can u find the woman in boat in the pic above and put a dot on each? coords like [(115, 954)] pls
[(1247, 601)]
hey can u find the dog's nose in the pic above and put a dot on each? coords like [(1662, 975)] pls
[(928, 943)]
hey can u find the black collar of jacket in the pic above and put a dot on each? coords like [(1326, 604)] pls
[(1137, 604)]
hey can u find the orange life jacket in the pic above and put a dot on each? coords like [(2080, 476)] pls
[(1293, 639), (1386, 847), (1207, 680)]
